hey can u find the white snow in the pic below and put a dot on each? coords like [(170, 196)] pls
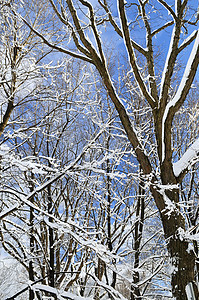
[(170, 187), (188, 158), (176, 7), (172, 269), (186, 72), (4, 149), (190, 291), (61, 295), (170, 206)]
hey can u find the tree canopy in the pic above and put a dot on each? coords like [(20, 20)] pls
[(99, 148)]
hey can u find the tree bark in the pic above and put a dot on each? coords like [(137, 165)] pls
[(135, 291), (182, 259), (31, 268), (51, 243)]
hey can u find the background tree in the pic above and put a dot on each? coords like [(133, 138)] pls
[(163, 100), (88, 158)]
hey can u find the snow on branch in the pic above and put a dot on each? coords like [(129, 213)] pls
[(188, 40), (186, 72), (167, 63), (181, 89), (57, 176), (188, 159), (60, 294)]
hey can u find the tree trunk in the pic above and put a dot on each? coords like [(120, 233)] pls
[(31, 271), (135, 291), (51, 270), (51, 243), (182, 259), (31, 268)]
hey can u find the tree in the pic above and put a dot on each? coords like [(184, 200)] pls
[(85, 22), (66, 258)]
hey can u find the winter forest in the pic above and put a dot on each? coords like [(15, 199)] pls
[(99, 149)]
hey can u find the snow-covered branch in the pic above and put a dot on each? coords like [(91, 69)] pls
[(187, 160), (183, 89)]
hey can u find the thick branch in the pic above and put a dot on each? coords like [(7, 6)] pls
[(10, 106), (119, 31), (131, 54), (180, 96), (169, 9), (188, 41), (80, 31), (74, 36), (93, 25), (150, 60), (60, 49), (189, 158), (162, 28), (6, 116), (169, 65)]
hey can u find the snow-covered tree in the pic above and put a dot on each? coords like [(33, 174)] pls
[(146, 28), (99, 147)]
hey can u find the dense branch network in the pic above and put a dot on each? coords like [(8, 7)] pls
[(84, 22)]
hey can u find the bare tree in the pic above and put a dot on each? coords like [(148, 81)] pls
[(85, 22)]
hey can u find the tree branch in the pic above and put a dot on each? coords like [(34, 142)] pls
[(150, 59), (60, 49), (118, 30), (131, 54), (188, 41), (169, 9), (189, 158), (93, 26), (74, 36), (162, 28), (180, 96)]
